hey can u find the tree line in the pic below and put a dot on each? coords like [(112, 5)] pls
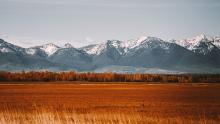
[(107, 77)]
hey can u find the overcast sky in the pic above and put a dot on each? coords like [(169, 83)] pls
[(81, 22)]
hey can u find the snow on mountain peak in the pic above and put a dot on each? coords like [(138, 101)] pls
[(95, 49), (201, 38), (216, 42), (113, 42), (202, 44), (133, 43), (4, 47), (8, 47), (5, 50), (68, 45), (49, 48), (122, 46), (191, 43), (141, 39), (30, 51), (130, 44)]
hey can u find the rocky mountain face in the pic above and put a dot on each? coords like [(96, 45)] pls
[(200, 54)]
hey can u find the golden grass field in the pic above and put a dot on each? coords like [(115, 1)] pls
[(109, 103)]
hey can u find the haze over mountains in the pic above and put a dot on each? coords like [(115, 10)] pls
[(200, 54)]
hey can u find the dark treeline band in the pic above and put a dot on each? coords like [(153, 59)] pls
[(108, 77)]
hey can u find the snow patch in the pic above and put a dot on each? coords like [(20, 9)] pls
[(68, 45), (216, 42), (193, 43), (96, 49), (5, 50), (30, 51), (134, 43), (49, 48), (123, 47)]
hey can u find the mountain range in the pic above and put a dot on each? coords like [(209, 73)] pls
[(200, 54)]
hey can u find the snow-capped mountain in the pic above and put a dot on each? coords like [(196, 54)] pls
[(143, 51), (197, 54), (14, 58), (191, 43), (123, 47), (6, 47), (94, 49), (49, 49), (42, 51), (72, 58), (139, 42), (134, 43), (68, 45), (148, 42), (201, 44), (216, 42)]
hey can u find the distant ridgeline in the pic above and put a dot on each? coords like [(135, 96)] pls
[(107, 77), (200, 54)]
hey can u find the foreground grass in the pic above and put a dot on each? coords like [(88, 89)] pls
[(110, 104), (44, 116)]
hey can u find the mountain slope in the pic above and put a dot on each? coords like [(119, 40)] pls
[(72, 59), (200, 54), (208, 48), (158, 53), (43, 51), (200, 44), (13, 57)]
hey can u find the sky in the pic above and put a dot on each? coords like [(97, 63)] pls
[(81, 22)]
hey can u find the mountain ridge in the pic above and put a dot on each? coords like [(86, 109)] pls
[(200, 53)]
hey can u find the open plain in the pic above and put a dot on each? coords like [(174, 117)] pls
[(34, 103)]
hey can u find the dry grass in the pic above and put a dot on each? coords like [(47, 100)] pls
[(110, 104), (54, 117)]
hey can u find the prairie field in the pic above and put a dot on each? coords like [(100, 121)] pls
[(80, 103)]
